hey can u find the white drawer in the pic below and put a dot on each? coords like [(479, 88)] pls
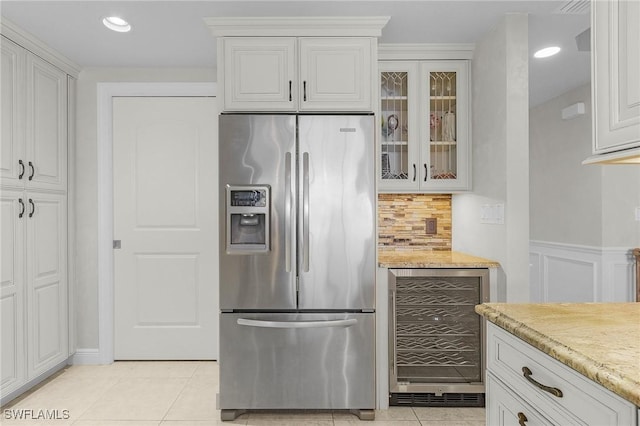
[(583, 400), (505, 408)]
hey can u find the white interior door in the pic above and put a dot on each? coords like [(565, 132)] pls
[(165, 215)]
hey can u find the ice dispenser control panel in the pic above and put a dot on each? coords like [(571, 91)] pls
[(248, 218)]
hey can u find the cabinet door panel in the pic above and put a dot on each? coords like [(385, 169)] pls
[(399, 139), (445, 148), (260, 74), (335, 74), (615, 69), (12, 355), (12, 130), (46, 132), (47, 284)]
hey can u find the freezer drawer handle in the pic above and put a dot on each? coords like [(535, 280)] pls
[(297, 324)]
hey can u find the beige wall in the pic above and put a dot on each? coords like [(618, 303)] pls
[(590, 205), (86, 163), (566, 197), (500, 136)]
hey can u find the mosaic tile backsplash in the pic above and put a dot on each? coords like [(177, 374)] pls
[(401, 221)]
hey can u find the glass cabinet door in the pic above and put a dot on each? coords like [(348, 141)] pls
[(398, 139), (445, 140)]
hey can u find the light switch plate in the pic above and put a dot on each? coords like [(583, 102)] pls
[(638, 213)]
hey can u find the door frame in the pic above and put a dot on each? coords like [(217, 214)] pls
[(105, 94)]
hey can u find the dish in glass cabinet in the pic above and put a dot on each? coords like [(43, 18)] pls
[(392, 123)]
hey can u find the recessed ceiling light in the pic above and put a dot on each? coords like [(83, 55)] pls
[(116, 24), (546, 52)]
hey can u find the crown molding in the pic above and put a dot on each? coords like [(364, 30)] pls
[(291, 26), (424, 51), (38, 47)]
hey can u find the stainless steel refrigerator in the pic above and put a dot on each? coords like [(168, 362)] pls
[(297, 262)]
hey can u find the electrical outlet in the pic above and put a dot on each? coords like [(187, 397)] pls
[(431, 227)]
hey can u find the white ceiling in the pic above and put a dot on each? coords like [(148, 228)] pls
[(173, 33)]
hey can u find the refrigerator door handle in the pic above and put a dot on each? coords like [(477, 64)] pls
[(287, 210), (297, 324), (305, 212)]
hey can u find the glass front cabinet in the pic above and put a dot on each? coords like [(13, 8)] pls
[(424, 126)]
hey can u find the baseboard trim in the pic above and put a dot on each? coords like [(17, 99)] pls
[(88, 356)]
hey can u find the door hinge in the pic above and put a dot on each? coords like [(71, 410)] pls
[(117, 244)]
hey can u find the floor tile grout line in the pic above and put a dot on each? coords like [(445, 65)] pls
[(117, 380)]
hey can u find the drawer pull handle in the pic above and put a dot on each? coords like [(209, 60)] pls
[(522, 419), (553, 391)]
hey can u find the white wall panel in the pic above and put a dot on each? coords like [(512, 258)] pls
[(573, 273)]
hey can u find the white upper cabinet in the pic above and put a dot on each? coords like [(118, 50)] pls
[(298, 63), (260, 73), (46, 133), (424, 116), (336, 74), (12, 159), (615, 27), (34, 121), (291, 74)]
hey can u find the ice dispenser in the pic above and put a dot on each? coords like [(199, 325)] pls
[(248, 219)]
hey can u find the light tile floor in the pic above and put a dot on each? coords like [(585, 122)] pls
[(182, 393)]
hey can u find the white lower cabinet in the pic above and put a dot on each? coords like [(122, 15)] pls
[(523, 381), (34, 285), (506, 408)]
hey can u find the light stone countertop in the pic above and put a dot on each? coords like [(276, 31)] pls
[(400, 258), (599, 340)]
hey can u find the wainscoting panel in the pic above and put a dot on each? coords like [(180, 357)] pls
[(573, 273)]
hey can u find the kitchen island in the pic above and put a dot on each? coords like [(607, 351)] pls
[(600, 341)]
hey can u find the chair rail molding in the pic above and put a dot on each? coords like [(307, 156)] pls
[(561, 272)]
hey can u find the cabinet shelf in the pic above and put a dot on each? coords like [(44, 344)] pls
[(443, 98), (443, 143), (394, 98), (400, 143)]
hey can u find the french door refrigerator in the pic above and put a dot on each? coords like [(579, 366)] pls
[(297, 262)]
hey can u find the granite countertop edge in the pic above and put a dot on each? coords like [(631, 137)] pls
[(399, 258), (600, 373)]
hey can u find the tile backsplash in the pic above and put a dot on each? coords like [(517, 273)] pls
[(401, 221)]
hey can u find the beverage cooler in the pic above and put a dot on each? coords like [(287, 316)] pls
[(436, 339)]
